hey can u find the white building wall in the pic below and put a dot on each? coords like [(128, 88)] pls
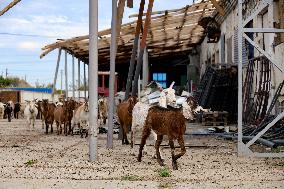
[(228, 27), (28, 95)]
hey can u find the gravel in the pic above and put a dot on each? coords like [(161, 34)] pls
[(31, 159)]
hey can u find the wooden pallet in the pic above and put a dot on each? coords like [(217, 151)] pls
[(215, 119)]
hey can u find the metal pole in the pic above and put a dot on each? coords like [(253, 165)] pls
[(93, 80), (240, 63), (142, 46), (79, 79), (73, 77), (134, 49), (112, 75), (85, 84), (61, 88), (145, 72), (66, 76), (56, 73)]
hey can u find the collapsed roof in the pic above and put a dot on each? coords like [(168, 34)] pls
[(171, 31)]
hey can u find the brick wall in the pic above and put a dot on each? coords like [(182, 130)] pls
[(5, 96)]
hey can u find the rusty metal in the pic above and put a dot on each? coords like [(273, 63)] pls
[(142, 47)]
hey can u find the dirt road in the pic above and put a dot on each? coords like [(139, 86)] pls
[(31, 159)]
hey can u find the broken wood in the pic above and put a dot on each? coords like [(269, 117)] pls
[(8, 7), (218, 7)]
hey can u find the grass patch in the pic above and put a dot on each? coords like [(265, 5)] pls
[(130, 178), (31, 162), (164, 172)]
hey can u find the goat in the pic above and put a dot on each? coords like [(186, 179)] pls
[(162, 121), (48, 114), (40, 112), (102, 115), (60, 117), (17, 109), (81, 117), (2, 108), (124, 113), (8, 111), (31, 113), (71, 105)]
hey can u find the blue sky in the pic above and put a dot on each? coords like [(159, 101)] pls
[(48, 20)]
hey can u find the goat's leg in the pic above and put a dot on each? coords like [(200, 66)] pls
[(157, 147), (42, 122), (51, 127), (125, 131), (174, 163), (183, 150), (57, 126), (46, 127), (66, 128), (69, 128), (145, 135), (132, 136), (33, 122)]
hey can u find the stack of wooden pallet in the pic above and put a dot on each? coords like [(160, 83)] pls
[(215, 118)]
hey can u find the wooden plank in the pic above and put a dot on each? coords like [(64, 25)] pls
[(218, 7), (281, 16), (120, 11), (8, 7), (130, 3), (175, 11)]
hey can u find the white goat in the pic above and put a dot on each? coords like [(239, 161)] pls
[(2, 108), (31, 113), (81, 118)]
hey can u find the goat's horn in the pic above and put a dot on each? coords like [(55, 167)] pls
[(171, 86)]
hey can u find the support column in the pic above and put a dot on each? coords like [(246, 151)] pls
[(240, 79), (56, 74), (85, 83), (73, 77), (93, 79), (112, 75), (145, 68), (79, 80), (134, 49), (66, 76), (142, 46)]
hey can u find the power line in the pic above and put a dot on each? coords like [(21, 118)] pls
[(28, 35)]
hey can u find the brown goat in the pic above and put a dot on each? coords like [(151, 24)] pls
[(48, 114), (124, 113), (170, 122), (60, 118), (71, 105)]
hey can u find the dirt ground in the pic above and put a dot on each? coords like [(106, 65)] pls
[(31, 159)]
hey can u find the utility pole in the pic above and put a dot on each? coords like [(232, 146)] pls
[(61, 72)]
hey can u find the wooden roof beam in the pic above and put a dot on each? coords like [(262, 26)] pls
[(8, 7)]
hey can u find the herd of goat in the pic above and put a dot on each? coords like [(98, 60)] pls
[(66, 114), (134, 113)]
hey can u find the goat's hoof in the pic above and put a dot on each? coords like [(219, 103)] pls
[(175, 167), (139, 159), (161, 163)]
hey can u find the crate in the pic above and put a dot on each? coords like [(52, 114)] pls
[(215, 118)]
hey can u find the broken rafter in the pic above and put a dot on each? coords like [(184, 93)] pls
[(218, 7), (13, 3), (175, 30)]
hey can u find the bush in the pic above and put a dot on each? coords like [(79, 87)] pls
[(164, 172)]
